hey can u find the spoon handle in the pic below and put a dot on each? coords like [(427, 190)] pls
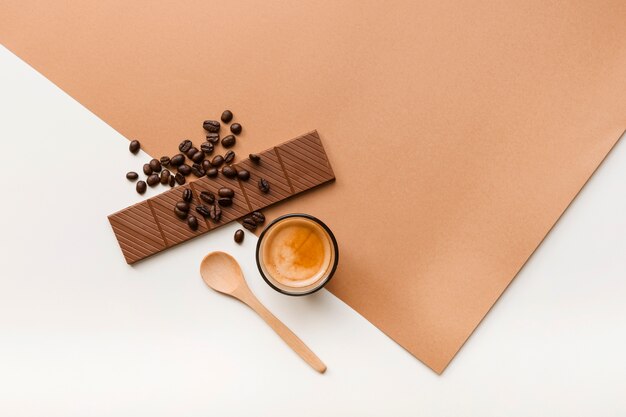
[(287, 335)]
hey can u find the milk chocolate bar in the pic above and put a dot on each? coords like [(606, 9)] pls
[(151, 226)]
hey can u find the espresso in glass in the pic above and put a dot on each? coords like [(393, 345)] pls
[(297, 254)]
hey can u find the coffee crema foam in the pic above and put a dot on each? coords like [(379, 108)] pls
[(297, 252)]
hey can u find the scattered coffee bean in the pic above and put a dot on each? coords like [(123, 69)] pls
[(227, 116), (229, 141), (183, 206), (215, 212), (207, 148), (184, 169), (255, 158), (165, 161), (249, 224), (225, 201), (177, 160), (173, 180), (198, 157), (197, 171), (153, 180), (192, 222), (185, 146), (239, 235), (258, 217), (165, 176), (208, 197), (229, 156), (211, 126), (213, 138), (155, 164), (217, 160), (134, 146), (211, 172), (226, 192), (229, 171), (206, 165), (243, 174), (132, 175), (264, 186), (180, 214), (203, 211), (191, 152), (179, 178), (141, 187), (235, 128), (147, 169), (187, 195)]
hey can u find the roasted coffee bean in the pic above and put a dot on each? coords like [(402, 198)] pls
[(227, 116), (225, 201), (185, 146), (213, 138), (212, 172), (244, 175), (235, 128), (249, 224), (206, 165), (165, 161), (198, 157), (187, 195), (207, 148), (229, 171), (132, 175), (141, 187), (211, 126), (192, 222), (203, 211), (179, 178), (258, 217), (155, 164), (264, 186), (229, 141), (197, 171), (179, 213), (229, 156), (177, 160), (239, 235), (208, 197), (226, 192), (147, 169), (173, 180), (165, 176), (134, 146), (191, 152), (255, 158), (215, 212), (217, 160), (184, 169), (183, 206), (153, 180)]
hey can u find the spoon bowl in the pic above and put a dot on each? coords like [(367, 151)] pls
[(221, 272)]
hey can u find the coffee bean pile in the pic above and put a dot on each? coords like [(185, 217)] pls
[(250, 222), (172, 170)]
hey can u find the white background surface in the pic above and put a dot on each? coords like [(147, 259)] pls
[(83, 334)]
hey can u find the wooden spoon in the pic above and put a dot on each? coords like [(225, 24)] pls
[(221, 272)]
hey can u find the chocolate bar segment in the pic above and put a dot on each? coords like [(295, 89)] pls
[(152, 226), (270, 168), (137, 232), (305, 162), (176, 230)]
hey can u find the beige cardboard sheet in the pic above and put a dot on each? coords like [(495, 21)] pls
[(458, 131)]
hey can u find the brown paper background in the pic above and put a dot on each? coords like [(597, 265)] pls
[(458, 131)]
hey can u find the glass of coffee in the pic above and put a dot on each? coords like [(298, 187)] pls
[(297, 254)]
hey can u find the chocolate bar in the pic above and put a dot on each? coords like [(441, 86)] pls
[(151, 226)]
